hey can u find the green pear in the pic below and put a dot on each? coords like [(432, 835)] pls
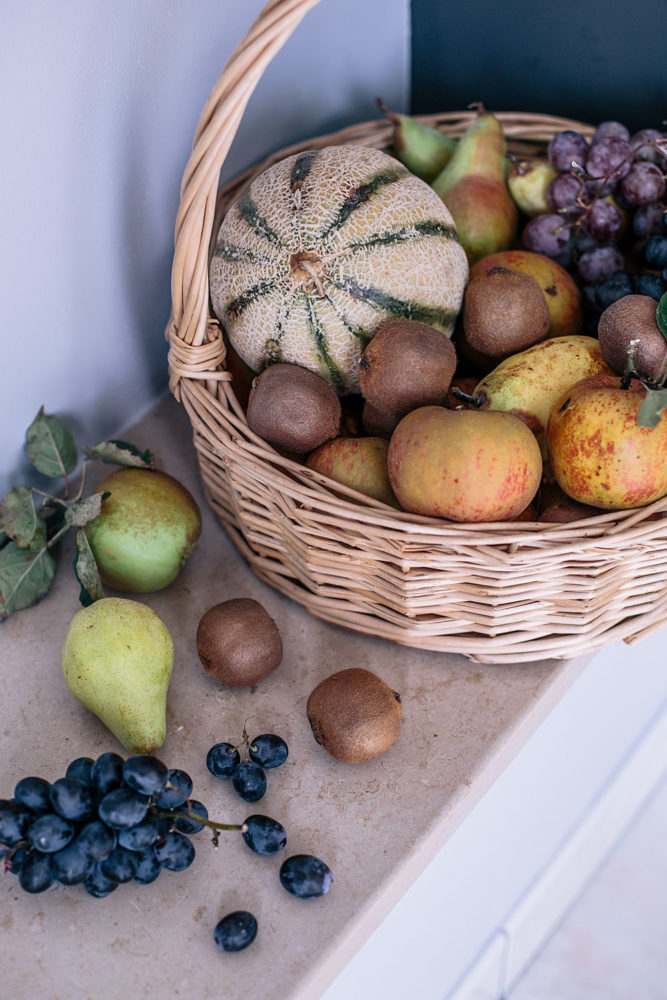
[(473, 186), (424, 150), (117, 659), (147, 528)]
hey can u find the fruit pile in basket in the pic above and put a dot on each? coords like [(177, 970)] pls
[(454, 331)]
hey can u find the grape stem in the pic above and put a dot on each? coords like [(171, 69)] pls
[(211, 824)]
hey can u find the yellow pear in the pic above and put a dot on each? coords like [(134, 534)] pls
[(117, 659), (530, 382)]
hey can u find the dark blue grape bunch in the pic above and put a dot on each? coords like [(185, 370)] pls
[(106, 822), (247, 774)]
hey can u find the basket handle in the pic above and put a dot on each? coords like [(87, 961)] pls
[(196, 347)]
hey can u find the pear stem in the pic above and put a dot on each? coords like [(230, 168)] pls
[(466, 397)]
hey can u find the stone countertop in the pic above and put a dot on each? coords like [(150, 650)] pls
[(376, 824)]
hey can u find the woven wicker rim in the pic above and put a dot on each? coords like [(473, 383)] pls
[(227, 447)]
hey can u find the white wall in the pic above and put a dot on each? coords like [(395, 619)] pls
[(100, 105)]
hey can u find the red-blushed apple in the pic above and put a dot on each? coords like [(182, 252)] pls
[(360, 463), (599, 454), (465, 465)]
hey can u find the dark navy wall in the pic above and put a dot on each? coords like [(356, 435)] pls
[(591, 60)]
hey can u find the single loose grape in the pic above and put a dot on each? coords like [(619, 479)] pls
[(305, 876), (235, 931), (264, 835)]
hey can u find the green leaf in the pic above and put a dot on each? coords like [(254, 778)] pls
[(651, 408), (120, 453), (661, 315), (4, 537), (85, 510), (25, 577), (19, 518), (50, 446), (86, 571)]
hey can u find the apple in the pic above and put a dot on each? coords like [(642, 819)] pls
[(599, 454), (465, 465), (562, 295)]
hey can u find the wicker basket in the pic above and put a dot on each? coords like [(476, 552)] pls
[(497, 593)]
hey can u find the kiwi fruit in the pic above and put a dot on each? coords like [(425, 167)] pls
[(556, 507), (238, 642), (503, 312), (376, 423), (293, 408), (354, 715), (406, 365), (632, 317)]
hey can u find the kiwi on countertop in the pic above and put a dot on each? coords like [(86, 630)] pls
[(238, 642), (354, 715)]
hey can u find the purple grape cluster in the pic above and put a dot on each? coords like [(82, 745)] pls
[(106, 822), (607, 222), (112, 820)]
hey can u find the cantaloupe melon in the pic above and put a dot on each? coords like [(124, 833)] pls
[(322, 249)]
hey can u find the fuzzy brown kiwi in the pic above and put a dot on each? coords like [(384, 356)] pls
[(406, 365), (556, 507), (503, 312), (238, 642), (354, 715), (293, 408), (376, 423), (632, 317)]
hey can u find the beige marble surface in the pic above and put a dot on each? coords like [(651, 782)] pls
[(376, 824)]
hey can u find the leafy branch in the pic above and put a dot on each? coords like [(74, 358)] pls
[(33, 521)]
